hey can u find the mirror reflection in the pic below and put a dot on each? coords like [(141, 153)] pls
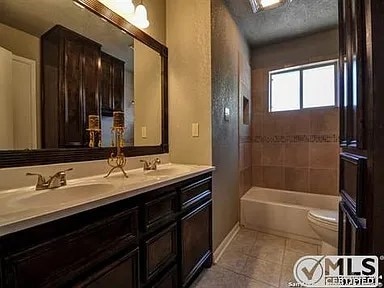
[(68, 77)]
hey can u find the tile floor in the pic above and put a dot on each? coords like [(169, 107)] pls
[(256, 260)]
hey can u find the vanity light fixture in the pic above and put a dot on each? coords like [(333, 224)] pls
[(261, 5), (125, 8), (141, 16)]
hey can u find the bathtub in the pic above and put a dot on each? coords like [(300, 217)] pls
[(283, 213)]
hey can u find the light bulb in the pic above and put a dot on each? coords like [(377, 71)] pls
[(124, 8), (141, 17)]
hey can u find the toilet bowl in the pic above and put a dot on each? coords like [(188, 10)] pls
[(325, 224)]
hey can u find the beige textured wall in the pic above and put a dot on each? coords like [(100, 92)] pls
[(147, 91), (294, 150), (189, 44), (230, 76), (27, 46)]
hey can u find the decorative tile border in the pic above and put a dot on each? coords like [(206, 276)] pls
[(330, 138)]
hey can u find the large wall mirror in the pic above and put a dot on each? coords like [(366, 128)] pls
[(70, 72)]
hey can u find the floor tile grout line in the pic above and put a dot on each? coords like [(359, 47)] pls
[(253, 279)]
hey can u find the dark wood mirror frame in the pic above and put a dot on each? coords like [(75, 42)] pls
[(18, 158)]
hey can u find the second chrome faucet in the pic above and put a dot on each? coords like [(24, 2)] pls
[(151, 165)]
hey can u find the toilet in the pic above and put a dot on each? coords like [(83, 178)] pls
[(325, 225)]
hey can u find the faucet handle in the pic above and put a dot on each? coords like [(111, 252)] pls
[(62, 175), (146, 164), (65, 170), (40, 178), (157, 161)]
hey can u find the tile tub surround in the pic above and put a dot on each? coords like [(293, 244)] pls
[(293, 150), (16, 214), (256, 260)]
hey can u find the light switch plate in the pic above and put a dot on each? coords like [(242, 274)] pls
[(227, 114), (144, 132), (195, 129)]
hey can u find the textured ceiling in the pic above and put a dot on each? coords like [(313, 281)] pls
[(299, 18)]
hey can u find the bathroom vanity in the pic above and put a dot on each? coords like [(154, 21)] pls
[(144, 231)]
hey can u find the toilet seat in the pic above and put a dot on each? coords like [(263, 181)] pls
[(327, 219)]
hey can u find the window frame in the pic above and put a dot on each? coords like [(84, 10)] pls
[(301, 69)]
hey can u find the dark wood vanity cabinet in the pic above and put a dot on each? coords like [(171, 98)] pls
[(148, 240), (70, 87), (112, 84)]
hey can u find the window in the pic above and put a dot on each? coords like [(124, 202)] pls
[(303, 87)]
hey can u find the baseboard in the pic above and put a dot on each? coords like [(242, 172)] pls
[(224, 244)]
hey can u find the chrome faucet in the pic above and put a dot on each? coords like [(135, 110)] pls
[(59, 179), (151, 165)]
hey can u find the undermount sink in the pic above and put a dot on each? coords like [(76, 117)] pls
[(63, 195)]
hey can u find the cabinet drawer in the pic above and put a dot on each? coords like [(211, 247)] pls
[(159, 252), (168, 281), (55, 262), (196, 192), (160, 211)]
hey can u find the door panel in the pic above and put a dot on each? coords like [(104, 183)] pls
[(73, 102)]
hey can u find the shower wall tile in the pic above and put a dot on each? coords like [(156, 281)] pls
[(274, 177), (323, 155), (297, 123), (296, 155), (324, 181), (257, 176), (273, 154), (292, 150), (297, 179), (325, 121), (257, 153)]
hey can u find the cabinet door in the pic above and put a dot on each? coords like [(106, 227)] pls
[(118, 85), (106, 85), (351, 232), (72, 103), (91, 78), (158, 252), (122, 273), (196, 241), (352, 89)]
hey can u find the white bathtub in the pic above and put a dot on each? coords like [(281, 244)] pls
[(282, 212)]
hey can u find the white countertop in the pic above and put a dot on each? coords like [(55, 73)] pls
[(23, 208)]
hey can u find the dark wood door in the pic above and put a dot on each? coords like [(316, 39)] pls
[(196, 245), (72, 89), (91, 79), (353, 134), (118, 85), (122, 273), (361, 26), (106, 85), (112, 84)]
